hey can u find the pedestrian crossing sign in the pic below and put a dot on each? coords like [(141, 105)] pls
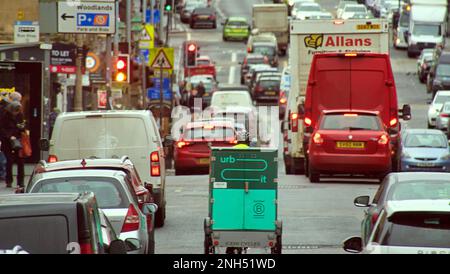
[(162, 58)]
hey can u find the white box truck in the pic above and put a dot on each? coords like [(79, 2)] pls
[(273, 18), (309, 37), (427, 25)]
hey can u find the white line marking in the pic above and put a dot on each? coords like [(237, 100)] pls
[(232, 69)]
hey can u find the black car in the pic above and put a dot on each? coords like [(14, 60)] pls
[(251, 59), (424, 63), (267, 49), (203, 17), (439, 75), (55, 223), (188, 9), (267, 89)]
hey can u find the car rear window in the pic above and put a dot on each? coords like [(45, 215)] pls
[(443, 70), (350, 122), (419, 190), (426, 140), (416, 230), (237, 24), (273, 84), (255, 60), (223, 99), (108, 192), (98, 133), (214, 134), (35, 234), (201, 62), (264, 50)]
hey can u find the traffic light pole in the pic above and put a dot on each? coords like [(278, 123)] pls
[(161, 96), (78, 102)]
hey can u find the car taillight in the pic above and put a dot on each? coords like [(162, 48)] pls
[(308, 121), (317, 139), (182, 144), (444, 115), (52, 159), (154, 164), (294, 122), (86, 248), (374, 218), (383, 139), (131, 220), (283, 101), (258, 89), (393, 122), (212, 17)]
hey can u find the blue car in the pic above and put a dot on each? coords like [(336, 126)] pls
[(425, 150)]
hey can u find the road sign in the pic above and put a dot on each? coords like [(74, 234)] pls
[(86, 17), (92, 62), (26, 32), (153, 94), (157, 83), (162, 57), (156, 17), (63, 58)]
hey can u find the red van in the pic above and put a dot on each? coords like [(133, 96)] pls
[(354, 81)]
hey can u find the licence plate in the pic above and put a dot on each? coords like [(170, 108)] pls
[(270, 92), (203, 17), (425, 164), (350, 144), (204, 161)]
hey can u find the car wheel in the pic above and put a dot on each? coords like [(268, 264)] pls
[(151, 242), (306, 166), (288, 167), (179, 172), (410, 54), (160, 216), (224, 38), (314, 177), (191, 26), (215, 25), (430, 126)]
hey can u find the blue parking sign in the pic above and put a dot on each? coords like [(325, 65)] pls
[(153, 94), (156, 17), (93, 20)]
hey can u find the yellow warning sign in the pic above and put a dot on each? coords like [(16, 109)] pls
[(162, 58)]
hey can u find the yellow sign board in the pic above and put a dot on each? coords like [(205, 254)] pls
[(162, 58), (368, 27), (149, 38)]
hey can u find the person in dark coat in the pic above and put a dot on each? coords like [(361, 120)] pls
[(13, 125)]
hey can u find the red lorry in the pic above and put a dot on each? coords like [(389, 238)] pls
[(359, 81)]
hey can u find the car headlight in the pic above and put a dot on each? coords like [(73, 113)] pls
[(437, 82), (291, 3), (445, 157), (405, 155)]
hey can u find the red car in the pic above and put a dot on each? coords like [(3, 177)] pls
[(349, 142), (192, 151)]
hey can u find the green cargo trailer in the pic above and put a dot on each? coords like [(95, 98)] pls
[(243, 205)]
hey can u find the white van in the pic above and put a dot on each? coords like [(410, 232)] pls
[(113, 134)]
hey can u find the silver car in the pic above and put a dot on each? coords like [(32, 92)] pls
[(442, 118), (113, 195)]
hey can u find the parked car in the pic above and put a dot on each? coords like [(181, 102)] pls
[(424, 64), (408, 227), (192, 151), (251, 59), (113, 134), (188, 9), (442, 96), (424, 150), (442, 119), (439, 75), (400, 187), (114, 195), (57, 223), (236, 28), (203, 17), (349, 142)]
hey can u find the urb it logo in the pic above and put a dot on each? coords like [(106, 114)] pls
[(314, 41)]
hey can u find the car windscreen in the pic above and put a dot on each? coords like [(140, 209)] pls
[(231, 99), (416, 230), (422, 29), (441, 99), (419, 190), (269, 84), (443, 70), (103, 133), (350, 122), (264, 50), (109, 192), (426, 140), (209, 134), (46, 234)]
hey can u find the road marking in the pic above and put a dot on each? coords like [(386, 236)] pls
[(232, 69)]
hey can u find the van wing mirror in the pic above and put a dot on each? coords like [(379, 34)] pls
[(44, 145), (406, 112), (362, 201), (117, 247), (353, 245)]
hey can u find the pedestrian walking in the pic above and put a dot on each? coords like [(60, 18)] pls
[(13, 125)]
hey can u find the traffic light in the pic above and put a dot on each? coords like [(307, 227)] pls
[(168, 7), (122, 69), (135, 71), (191, 54)]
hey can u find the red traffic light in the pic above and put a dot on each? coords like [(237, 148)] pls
[(122, 69), (192, 47), (120, 64)]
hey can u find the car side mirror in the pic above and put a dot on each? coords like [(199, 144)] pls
[(362, 201), (429, 101), (406, 112), (117, 247), (353, 245), (44, 145), (132, 244), (149, 208)]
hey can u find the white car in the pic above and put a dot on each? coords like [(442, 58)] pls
[(442, 96), (444, 116), (303, 11), (351, 9), (408, 227)]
